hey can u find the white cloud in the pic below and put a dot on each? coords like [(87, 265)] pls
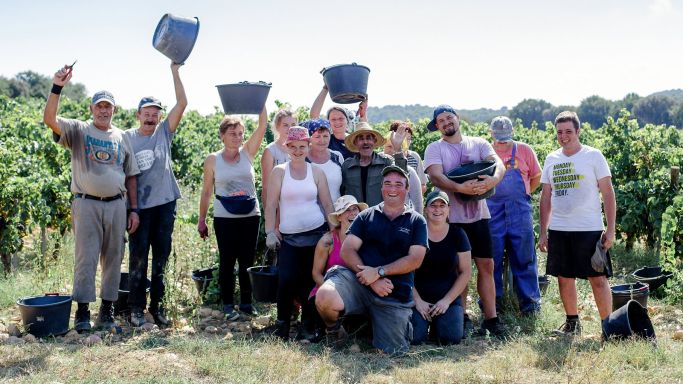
[(661, 7)]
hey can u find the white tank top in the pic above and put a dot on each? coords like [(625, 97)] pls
[(299, 210), (234, 179), (334, 177)]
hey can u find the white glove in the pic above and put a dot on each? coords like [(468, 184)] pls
[(272, 241)]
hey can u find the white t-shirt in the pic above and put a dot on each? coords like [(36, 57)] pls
[(575, 201)]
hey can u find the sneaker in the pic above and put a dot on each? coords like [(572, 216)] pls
[(82, 321), (137, 318), (495, 329), (248, 309), (468, 326), (336, 336), (230, 313), (159, 316), (105, 318), (569, 328)]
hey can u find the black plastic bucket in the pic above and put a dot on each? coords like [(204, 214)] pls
[(121, 304), (543, 283), (202, 278), (46, 315), (631, 319), (264, 283), (175, 37), (654, 277), (472, 171), (347, 83), (244, 97), (622, 293)]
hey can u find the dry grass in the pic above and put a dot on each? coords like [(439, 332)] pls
[(530, 356)]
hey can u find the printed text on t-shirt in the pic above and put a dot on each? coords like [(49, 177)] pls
[(565, 178)]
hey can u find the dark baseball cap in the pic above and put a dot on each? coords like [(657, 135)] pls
[(437, 111), (394, 168), (149, 101), (105, 96)]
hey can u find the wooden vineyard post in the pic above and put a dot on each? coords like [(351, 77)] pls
[(675, 174)]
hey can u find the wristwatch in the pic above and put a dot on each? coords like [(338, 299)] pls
[(380, 271)]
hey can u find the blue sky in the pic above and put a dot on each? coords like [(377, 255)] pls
[(464, 53)]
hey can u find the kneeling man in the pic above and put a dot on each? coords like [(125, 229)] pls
[(384, 246)]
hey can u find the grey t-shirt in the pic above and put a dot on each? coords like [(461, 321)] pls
[(157, 184), (100, 161)]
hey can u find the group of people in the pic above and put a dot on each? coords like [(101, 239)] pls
[(353, 231)]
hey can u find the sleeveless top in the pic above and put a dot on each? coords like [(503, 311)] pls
[(334, 258), (299, 210), (279, 156), (234, 179)]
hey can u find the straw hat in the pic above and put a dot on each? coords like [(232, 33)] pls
[(341, 205), (362, 128)]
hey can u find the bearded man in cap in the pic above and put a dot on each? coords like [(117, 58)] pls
[(157, 194), (511, 224), (451, 151), (103, 170)]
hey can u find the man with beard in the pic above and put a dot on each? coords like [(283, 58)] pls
[(340, 118), (362, 173), (157, 195), (452, 150), (384, 246), (103, 170)]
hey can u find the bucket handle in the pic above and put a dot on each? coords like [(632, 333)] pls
[(52, 294), (325, 68), (258, 82)]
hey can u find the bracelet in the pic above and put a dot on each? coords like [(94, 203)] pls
[(56, 89), (136, 210)]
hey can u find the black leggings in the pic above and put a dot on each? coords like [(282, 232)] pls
[(236, 239), (295, 266)]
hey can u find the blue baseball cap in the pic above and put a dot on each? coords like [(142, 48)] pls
[(105, 96), (315, 124), (431, 127), (149, 101)]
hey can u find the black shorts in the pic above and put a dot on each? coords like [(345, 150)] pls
[(479, 235), (569, 254)]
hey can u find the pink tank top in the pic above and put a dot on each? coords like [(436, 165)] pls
[(333, 259)]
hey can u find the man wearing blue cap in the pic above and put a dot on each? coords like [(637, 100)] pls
[(157, 194), (512, 228), (103, 170), (451, 151)]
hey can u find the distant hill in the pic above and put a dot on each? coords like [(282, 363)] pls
[(416, 111), (675, 94)]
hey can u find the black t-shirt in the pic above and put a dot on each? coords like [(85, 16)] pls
[(385, 241), (338, 145), (438, 271), (364, 181)]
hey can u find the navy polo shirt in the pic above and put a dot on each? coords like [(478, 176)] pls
[(385, 241)]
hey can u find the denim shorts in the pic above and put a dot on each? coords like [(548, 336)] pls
[(391, 328)]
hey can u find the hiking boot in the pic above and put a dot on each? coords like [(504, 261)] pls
[(105, 318), (282, 329), (468, 327), (137, 318), (159, 316), (248, 309), (569, 328), (494, 327), (82, 321), (230, 313), (336, 336)]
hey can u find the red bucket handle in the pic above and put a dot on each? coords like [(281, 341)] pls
[(52, 294)]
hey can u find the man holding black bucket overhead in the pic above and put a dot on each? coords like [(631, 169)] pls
[(574, 178), (451, 151), (157, 194), (103, 171)]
